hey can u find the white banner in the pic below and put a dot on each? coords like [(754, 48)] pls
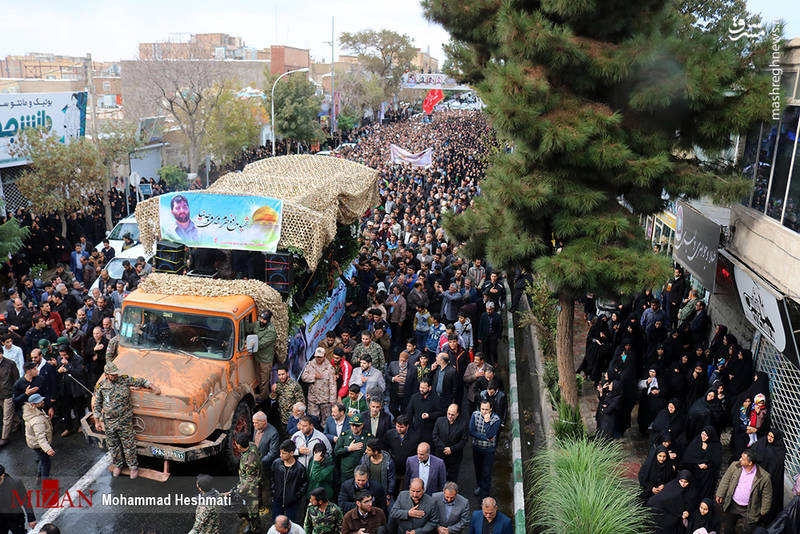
[(60, 114), (761, 308), (422, 80), (420, 159)]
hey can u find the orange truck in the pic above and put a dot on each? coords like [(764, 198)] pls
[(197, 351)]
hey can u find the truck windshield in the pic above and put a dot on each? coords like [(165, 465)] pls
[(201, 335)]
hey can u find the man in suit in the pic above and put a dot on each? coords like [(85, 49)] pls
[(445, 381), (453, 510), (266, 438), (449, 438), (414, 510), (337, 423), (426, 467), (376, 420), (488, 519), (401, 375)]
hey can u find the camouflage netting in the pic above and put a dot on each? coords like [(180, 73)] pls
[(264, 296), (318, 192)]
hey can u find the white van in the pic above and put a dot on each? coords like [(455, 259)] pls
[(125, 226)]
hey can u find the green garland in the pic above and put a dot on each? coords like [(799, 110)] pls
[(343, 249)]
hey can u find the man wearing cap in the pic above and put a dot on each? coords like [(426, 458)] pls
[(113, 413), (38, 433), (265, 355), (321, 379), (351, 446)]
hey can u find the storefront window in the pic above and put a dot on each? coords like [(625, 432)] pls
[(780, 175), (766, 150)]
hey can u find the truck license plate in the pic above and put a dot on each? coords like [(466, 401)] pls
[(167, 454)]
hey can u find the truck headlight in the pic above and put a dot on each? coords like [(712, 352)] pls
[(187, 429)]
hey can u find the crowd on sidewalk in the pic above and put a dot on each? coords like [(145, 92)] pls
[(690, 386)]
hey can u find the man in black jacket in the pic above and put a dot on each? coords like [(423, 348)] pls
[(449, 437), (289, 483), (445, 381), (39, 332), (12, 515), (19, 321), (489, 331), (28, 384), (72, 389), (361, 482), (677, 291), (401, 442), (423, 410), (9, 374)]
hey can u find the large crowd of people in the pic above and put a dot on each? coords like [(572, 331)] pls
[(655, 353), (373, 433)]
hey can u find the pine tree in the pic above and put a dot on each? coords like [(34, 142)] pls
[(604, 102)]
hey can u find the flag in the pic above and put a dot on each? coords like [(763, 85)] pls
[(434, 97)]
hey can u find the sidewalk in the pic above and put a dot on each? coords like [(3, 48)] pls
[(633, 444)]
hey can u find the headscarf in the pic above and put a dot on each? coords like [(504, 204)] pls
[(655, 472), (674, 499), (710, 521)]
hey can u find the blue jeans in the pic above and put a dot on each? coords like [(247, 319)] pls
[(483, 460), (289, 511), (44, 463)]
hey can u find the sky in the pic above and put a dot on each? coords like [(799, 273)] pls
[(111, 29)]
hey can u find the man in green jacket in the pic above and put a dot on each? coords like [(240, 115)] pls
[(265, 355), (745, 492)]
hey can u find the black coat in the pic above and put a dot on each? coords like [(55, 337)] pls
[(652, 474), (10, 511), (705, 480), (450, 389), (447, 435), (668, 506), (347, 498), (384, 425), (772, 457), (399, 449), (288, 484), (418, 405)]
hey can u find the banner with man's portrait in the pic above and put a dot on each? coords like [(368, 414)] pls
[(204, 220)]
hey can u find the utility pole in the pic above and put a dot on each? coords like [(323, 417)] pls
[(333, 93)]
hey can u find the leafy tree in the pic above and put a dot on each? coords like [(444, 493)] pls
[(12, 236), (232, 126), (359, 90), (173, 176), (347, 122), (59, 176), (115, 142), (385, 53), (601, 101), (296, 107)]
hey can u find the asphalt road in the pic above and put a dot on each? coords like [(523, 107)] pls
[(81, 466)]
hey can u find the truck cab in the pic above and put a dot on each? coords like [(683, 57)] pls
[(195, 349)]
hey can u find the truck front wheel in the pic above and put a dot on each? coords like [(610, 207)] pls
[(242, 423)]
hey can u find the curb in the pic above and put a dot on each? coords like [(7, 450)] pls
[(516, 444), (548, 414)]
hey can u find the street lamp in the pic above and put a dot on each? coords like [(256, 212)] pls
[(272, 115)]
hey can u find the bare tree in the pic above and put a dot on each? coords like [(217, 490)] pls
[(184, 84)]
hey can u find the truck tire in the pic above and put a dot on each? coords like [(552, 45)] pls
[(242, 422)]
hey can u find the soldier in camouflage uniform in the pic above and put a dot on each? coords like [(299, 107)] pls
[(351, 446), (206, 518), (322, 516), (287, 391), (249, 480), (368, 346), (113, 413)]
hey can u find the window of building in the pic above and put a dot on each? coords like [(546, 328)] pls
[(106, 86), (788, 83), (791, 213), (783, 160), (766, 151), (750, 158)]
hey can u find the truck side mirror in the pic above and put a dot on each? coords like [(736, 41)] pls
[(251, 342)]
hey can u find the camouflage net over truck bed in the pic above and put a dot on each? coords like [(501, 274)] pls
[(264, 296), (317, 192)]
